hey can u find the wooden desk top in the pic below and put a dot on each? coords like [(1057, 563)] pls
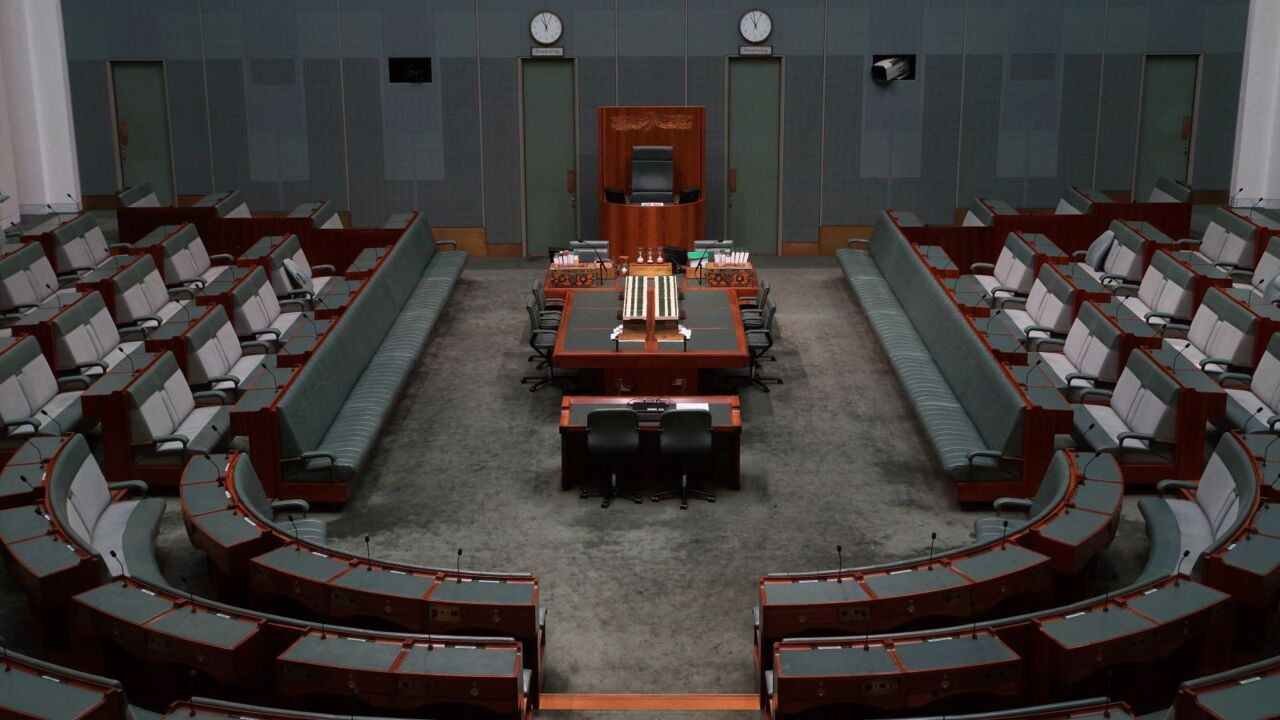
[(726, 410)]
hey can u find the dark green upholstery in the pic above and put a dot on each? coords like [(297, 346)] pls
[(131, 195), (230, 710), (962, 396), (986, 212), (74, 228), (254, 500), (340, 399), (222, 205), (1174, 189), (1065, 709)]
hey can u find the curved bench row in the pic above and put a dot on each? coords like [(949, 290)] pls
[(1241, 693), (67, 550), (1161, 628), (1072, 517), (255, 543)]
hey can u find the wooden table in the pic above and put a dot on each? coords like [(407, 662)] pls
[(651, 367), (742, 281), (576, 466)]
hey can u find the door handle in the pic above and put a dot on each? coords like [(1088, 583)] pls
[(571, 182), (1186, 127), (733, 180), (122, 132)]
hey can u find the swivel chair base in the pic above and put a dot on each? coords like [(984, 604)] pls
[(608, 492), (684, 492)]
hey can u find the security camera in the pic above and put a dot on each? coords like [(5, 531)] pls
[(890, 69)]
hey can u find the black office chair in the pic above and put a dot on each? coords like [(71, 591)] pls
[(612, 434), (678, 257), (757, 301), (543, 343), (759, 343), (542, 302), (652, 171), (548, 318), (754, 318), (685, 434), (614, 195), (690, 195)]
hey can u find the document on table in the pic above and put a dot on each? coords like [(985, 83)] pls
[(693, 406)]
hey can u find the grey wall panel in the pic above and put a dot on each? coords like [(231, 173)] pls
[(595, 88), (189, 125), (932, 192), (802, 147), (1118, 121), (362, 102), (91, 115), (1215, 134), (502, 181), (706, 88), (453, 199), (1077, 123), (322, 99)]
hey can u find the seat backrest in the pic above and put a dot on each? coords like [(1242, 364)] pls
[(139, 290), (613, 430), (1015, 268), (27, 383), (254, 303), (78, 494), (212, 346), (84, 332), (1053, 486), (1168, 286), (26, 277), (1229, 238), (1127, 254), (79, 243), (248, 488), (1146, 398), (1223, 328), (290, 268), (1228, 485), (227, 205), (1268, 268), (140, 195), (185, 256), (1074, 202), (159, 400), (1051, 300), (685, 432), (983, 212), (652, 168), (1168, 190), (1093, 344), (1266, 378)]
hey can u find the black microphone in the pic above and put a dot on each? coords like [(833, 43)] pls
[(1255, 207), (1235, 195), (4, 645), (839, 564), (1026, 379), (119, 562), (1266, 452), (986, 329), (27, 482), (932, 538), (52, 420), (132, 367), (1177, 576), (59, 215), (426, 626), (191, 596), (368, 556), (1106, 600), (459, 565), (35, 445), (297, 541), (275, 383), (74, 203), (1177, 354), (1254, 416), (1084, 473), (311, 322), (324, 631), (1004, 533), (54, 293)]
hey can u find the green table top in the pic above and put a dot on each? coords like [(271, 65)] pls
[(337, 651), (1259, 554), (45, 556), (228, 528), (306, 209), (205, 628), (22, 523), (997, 561), (913, 582), (200, 470), (1097, 495), (482, 591), (116, 381), (203, 497), (1249, 698), (302, 563), (1170, 602), (469, 661), (31, 452), (11, 484), (127, 602), (1095, 626), (1100, 466), (1074, 527), (36, 695), (594, 314), (1267, 519), (814, 591), (959, 651), (835, 661), (385, 582)]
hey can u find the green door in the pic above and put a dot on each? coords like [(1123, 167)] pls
[(550, 154), (755, 95), (1164, 121), (142, 126)]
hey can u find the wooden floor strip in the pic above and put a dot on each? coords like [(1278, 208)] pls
[(573, 701)]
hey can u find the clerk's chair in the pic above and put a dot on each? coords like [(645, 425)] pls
[(652, 172)]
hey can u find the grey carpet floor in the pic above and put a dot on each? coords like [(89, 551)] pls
[(643, 598)]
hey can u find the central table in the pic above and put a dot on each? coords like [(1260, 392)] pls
[(651, 367)]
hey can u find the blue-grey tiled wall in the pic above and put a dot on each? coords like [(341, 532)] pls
[(288, 100)]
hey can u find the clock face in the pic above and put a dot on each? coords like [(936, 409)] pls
[(755, 26), (545, 27)]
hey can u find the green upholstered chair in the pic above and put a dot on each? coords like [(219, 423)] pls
[(248, 488), (32, 400), (27, 280), (86, 340), (686, 434), (613, 434)]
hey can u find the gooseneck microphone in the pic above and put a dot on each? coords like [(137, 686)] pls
[(1084, 472), (27, 482), (57, 299), (123, 573), (53, 420), (1177, 576), (297, 541), (1026, 378), (191, 596), (839, 564), (368, 555), (459, 565), (933, 537)]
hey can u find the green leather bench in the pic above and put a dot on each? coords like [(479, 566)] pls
[(969, 408), (333, 412)]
